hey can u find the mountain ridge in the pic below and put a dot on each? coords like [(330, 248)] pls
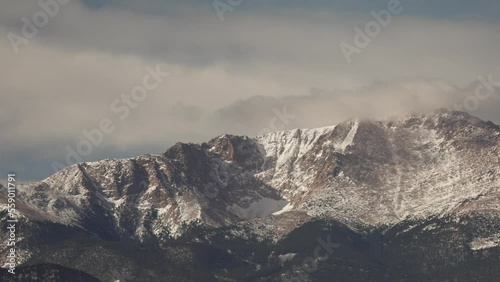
[(277, 160), (366, 175)]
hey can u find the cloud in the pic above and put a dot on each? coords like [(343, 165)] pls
[(379, 101), (226, 77)]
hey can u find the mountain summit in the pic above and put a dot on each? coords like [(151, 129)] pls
[(434, 173)]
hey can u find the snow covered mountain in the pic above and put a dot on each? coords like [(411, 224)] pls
[(364, 175)]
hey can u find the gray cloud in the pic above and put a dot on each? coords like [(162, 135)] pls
[(226, 77), (380, 101)]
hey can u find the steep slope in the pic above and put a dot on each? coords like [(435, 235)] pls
[(383, 172), (359, 172), (375, 179)]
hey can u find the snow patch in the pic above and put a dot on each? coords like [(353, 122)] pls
[(485, 243), (286, 208), (260, 208), (350, 136)]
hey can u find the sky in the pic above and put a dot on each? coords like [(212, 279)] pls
[(88, 80)]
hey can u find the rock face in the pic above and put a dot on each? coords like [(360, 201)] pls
[(430, 175)]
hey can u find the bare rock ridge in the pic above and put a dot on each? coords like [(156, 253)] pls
[(360, 172), (366, 175)]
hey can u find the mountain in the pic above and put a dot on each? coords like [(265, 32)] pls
[(412, 198), (47, 272)]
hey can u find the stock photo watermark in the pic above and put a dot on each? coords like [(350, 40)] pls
[(485, 89), (310, 264), (372, 29), (223, 6), (12, 219), (31, 26), (122, 107), (279, 122)]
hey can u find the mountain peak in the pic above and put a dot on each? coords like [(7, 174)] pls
[(220, 181), (361, 174)]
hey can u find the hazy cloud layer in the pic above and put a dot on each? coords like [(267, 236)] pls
[(227, 77)]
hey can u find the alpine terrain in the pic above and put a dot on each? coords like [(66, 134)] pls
[(412, 198)]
